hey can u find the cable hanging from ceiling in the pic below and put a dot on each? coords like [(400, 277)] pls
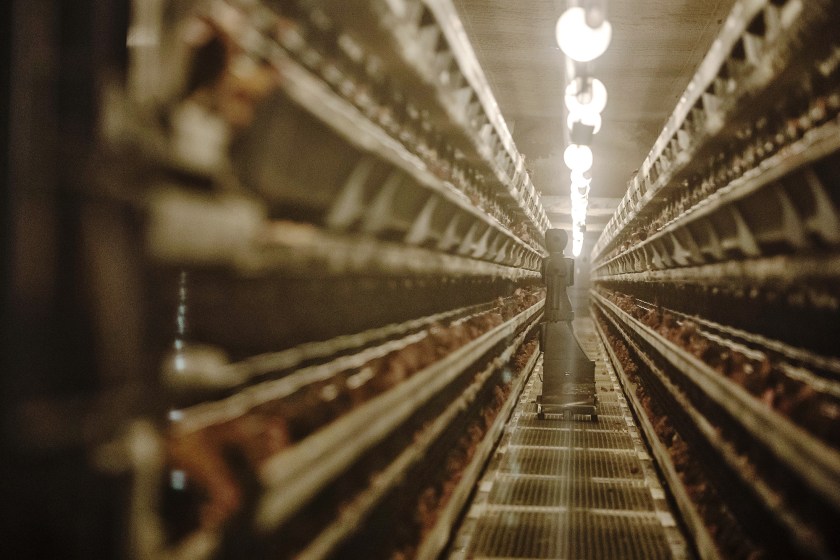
[(583, 34)]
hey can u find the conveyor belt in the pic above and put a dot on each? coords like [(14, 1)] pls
[(570, 488)]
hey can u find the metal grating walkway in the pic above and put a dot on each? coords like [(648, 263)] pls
[(571, 489)]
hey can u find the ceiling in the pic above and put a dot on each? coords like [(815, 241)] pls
[(655, 49)]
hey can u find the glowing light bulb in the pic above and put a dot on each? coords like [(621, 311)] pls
[(578, 178), (578, 158), (577, 40), (577, 245), (579, 206), (586, 119), (579, 191), (586, 97)]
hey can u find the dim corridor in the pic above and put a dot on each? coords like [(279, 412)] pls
[(571, 488)]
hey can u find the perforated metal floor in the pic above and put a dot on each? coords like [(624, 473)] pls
[(571, 488)]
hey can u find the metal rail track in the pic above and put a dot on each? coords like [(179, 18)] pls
[(721, 262), (570, 488), (750, 442), (373, 196), (299, 473), (701, 539)]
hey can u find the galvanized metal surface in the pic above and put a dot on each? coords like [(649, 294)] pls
[(571, 488), (791, 450), (736, 203)]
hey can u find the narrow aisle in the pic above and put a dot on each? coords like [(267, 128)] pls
[(574, 488)]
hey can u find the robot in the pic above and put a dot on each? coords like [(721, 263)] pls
[(568, 374)]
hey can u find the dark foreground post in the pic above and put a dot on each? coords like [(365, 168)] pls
[(568, 374)]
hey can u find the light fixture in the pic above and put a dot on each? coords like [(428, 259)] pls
[(583, 35), (577, 39), (586, 119), (579, 191), (577, 245), (586, 97), (579, 178), (579, 207), (577, 157)]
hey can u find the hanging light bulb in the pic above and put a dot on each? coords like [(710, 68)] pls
[(577, 157), (578, 178), (586, 119), (579, 206), (581, 185), (586, 97), (579, 191), (577, 245), (577, 39)]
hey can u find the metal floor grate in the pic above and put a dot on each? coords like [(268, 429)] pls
[(605, 422), (605, 408), (572, 438), (589, 494), (577, 534), (608, 396), (570, 462), (570, 488)]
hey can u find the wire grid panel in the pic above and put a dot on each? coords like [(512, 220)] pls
[(570, 487)]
